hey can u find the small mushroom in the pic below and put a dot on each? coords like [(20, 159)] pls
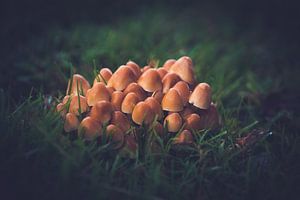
[(137, 89), (155, 106), (135, 67), (145, 68), (97, 93), (110, 90), (117, 99), (172, 101), (116, 135), (71, 122), (79, 84), (201, 96), (183, 90), (162, 72), (120, 119), (173, 122), (185, 137), (150, 80), (129, 102), (194, 122), (122, 78), (103, 76), (186, 112), (61, 109), (101, 111), (168, 64), (89, 128), (142, 113), (78, 105), (158, 95), (169, 81), (184, 68)]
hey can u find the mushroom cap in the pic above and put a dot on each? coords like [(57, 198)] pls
[(173, 122), (186, 112), (101, 111), (183, 90), (104, 73), (116, 135), (142, 113), (185, 137), (184, 68), (150, 80), (61, 109), (120, 119), (194, 122), (97, 93), (71, 122), (169, 81), (122, 78), (158, 95), (162, 72), (137, 89), (117, 99), (135, 68), (83, 85), (110, 90), (89, 128), (155, 106), (201, 96), (172, 101), (75, 102), (168, 64), (66, 99), (212, 117), (129, 102), (145, 68)]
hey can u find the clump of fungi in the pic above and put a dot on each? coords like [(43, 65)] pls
[(167, 100)]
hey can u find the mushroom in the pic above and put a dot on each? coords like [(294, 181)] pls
[(145, 68), (116, 135), (162, 72), (122, 78), (201, 96), (97, 93), (117, 99), (173, 122), (61, 109), (150, 80), (158, 95), (185, 137), (142, 113), (194, 122), (78, 84), (78, 105), (168, 64), (172, 101), (66, 99), (101, 111), (212, 117), (169, 81), (155, 106), (183, 90), (120, 119), (103, 76), (135, 68), (184, 68), (129, 102), (89, 128), (71, 122), (110, 90), (137, 89), (186, 112)]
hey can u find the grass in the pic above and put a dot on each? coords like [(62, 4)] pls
[(39, 161)]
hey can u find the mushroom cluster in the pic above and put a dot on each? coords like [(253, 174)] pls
[(167, 96)]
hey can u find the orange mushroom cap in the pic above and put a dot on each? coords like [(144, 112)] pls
[(135, 67), (89, 128), (183, 90), (101, 111), (117, 99), (150, 80), (122, 78), (172, 101), (104, 73), (184, 68), (116, 135), (169, 81), (142, 113), (194, 122), (129, 102), (185, 137), (155, 106), (158, 95), (168, 64), (76, 103), (201, 96), (137, 89), (173, 122), (71, 122), (61, 109), (110, 90), (120, 119), (79, 84), (97, 93), (162, 72)]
